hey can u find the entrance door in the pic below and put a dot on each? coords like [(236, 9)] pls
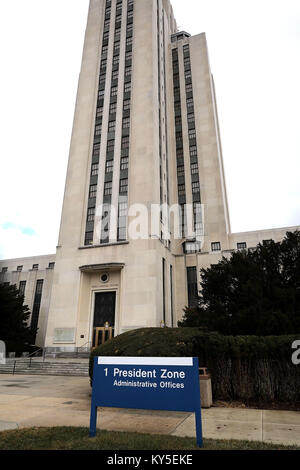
[(104, 317)]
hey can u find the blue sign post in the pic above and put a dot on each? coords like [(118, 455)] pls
[(159, 383)]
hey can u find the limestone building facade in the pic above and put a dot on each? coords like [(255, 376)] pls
[(145, 132)]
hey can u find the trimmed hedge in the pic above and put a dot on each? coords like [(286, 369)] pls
[(242, 367)]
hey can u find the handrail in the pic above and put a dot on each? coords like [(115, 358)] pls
[(35, 352)]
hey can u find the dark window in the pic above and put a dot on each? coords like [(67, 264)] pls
[(4, 270), (99, 112), (115, 75), (93, 191), (192, 134), (181, 189), (242, 246), (109, 166), (192, 286), (51, 265), (22, 287), (127, 88), (195, 187), (126, 105), (112, 108), (124, 163), (112, 126), (110, 145), (96, 149), (193, 151), (91, 214), (108, 189), (180, 171), (89, 238), (124, 186), (126, 123), (37, 304), (128, 71), (194, 168), (216, 246), (125, 142), (98, 129), (19, 268), (35, 266), (114, 91), (95, 169)]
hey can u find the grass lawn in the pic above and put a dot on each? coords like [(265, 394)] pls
[(71, 438)]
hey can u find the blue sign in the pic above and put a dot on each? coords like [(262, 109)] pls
[(150, 383)]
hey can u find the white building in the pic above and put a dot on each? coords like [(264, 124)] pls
[(145, 132)]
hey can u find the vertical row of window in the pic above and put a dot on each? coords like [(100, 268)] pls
[(89, 235), (37, 304), (198, 223), (179, 136), (124, 163), (110, 150)]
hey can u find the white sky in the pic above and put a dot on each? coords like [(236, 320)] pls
[(255, 58)]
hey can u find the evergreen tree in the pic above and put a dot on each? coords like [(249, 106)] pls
[(255, 292)]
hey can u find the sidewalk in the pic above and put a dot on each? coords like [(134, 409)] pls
[(27, 401)]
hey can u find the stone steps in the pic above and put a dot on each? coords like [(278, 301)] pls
[(46, 368)]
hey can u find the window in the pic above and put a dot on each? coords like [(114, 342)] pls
[(103, 63), (180, 170), (22, 287), (186, 48), (193, 151), (188, 75), (88, 238), (102, 80), (126, 123), (125, 143), (179, 137), (111, 126), (91, 214), (99, 112), (124, 186), (189, 88), (114, 91), (216, 246), (127, 88), (128, 71), (128, 56), (192, 284), (96, 149), (115, 75), (112, 108), (242, 246), (93, 191), (190, 102), (129, 42), (194, 168), (123, 207), (109, 166), (37, 304), (98, 129), (101, 94), (129, 28), (124, 163), (187, 63), (181, 189), (106, 23), (130, 14), (19, 268), (95, 169), (51, 265), (126, 105), (106, 36), (104, 49), (195, 187), (117, 34), (116, 60), (4, 270), (191, 117), (35, 266), (110, 145), (178, 121), (117, 46), (108, 189), (192, 134)]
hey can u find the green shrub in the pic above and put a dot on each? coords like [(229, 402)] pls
[(242, 367)]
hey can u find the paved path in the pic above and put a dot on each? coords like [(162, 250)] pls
[(27, 401)]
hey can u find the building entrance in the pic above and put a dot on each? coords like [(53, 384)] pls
[(104, 317)]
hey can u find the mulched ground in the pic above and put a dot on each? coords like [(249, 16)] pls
[(259, 405)]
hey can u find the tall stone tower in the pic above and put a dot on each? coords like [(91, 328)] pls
[(145, 132)]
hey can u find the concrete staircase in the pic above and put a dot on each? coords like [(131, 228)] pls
[(75, 369)]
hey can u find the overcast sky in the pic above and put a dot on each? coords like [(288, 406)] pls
[(255, 58)]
